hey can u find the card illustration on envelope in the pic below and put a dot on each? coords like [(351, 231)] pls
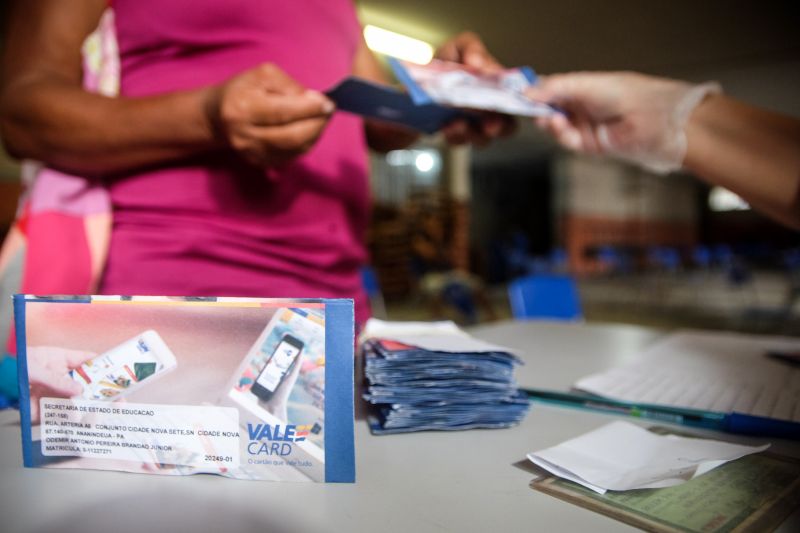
[(247, 388)]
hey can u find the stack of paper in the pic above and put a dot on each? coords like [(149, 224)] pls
[(623, 456), (424, 376)]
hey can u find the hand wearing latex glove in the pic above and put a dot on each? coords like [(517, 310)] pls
[(665, 125), (468, 49), (627, 115)]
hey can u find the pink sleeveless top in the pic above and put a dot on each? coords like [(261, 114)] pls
[(212, 226)]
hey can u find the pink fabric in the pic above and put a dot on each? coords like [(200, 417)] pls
[(212, 226), (54, 191), (71, 277)]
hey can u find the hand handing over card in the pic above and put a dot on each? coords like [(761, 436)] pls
[(465, 93)]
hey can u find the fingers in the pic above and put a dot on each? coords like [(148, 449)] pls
[(559, 88), (283, 99), (562, 130), (48, 368), (496, 125), (589, 100), (481, 131), (566, 134), (277, 145), (465, 132), (457, 132), (280, 109), (266, 116), (271, 78), (75, 358), (555, 88), (58, 385), (597, 95), (468, 49)]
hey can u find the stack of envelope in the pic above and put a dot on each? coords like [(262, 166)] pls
[(434, 376)]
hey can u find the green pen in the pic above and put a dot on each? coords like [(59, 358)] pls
[(661, 413)]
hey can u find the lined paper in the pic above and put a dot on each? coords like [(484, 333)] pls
[(709, 371)]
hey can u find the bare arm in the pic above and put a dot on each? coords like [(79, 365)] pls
[(753, 152), (45, 114)]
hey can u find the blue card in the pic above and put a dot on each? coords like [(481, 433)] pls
[(381, 102)]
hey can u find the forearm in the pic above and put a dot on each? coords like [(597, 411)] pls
[(54, 121), (754, 153)]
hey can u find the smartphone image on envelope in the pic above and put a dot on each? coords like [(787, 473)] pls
[(278, 366), (125, 368)]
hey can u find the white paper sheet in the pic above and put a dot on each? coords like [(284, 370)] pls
[(444, 336), (720, 372), (623, 456)]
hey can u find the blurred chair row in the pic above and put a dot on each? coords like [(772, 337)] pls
[(626, 259), (543, 290)]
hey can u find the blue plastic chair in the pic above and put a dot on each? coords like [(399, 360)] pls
[(545, 296)]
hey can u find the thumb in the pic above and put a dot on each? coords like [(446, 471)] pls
[(75, 358), (539, 91), (280, 109), (60, 386), (556, 88)]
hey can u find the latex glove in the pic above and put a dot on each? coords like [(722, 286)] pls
[(631, 116)]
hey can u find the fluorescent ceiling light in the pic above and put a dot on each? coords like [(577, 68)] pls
[(397, 45)]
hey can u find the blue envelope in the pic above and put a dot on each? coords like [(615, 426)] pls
[(381, 102)]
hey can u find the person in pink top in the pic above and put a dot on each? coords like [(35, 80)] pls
[(229, 171)]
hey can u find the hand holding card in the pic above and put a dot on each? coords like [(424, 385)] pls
[(464, 92)]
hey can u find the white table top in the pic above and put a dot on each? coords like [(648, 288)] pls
[(435, 481)]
